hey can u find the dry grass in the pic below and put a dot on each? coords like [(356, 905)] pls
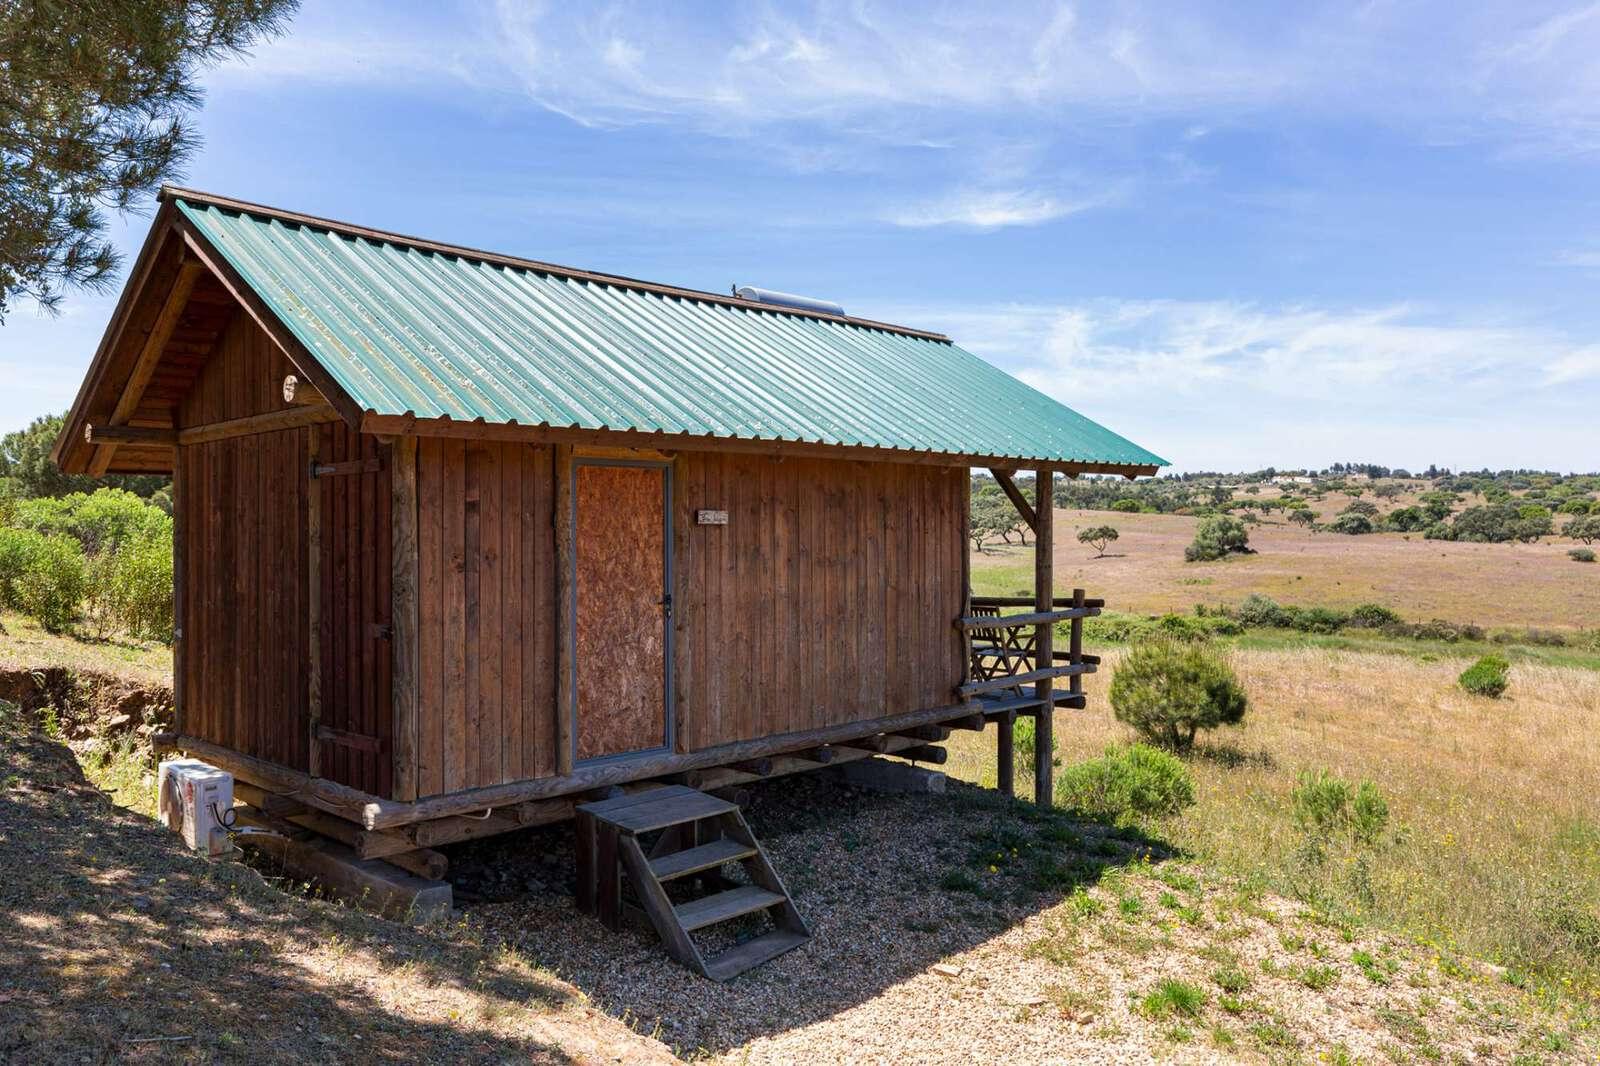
[(25, 645), (1498, 847), (121, 947), (1489, 584)]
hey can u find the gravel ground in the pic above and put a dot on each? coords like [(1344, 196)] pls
[(965, 929)]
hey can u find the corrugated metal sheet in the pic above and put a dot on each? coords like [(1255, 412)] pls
[(411, 331)]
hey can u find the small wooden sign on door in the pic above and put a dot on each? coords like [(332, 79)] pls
[(711, 518)]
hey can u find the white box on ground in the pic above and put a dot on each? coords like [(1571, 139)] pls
[(192, 798)]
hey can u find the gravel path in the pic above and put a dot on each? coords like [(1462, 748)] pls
[(963, 929)]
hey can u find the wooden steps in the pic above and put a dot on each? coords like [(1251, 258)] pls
[(699, 836), (695, 860), (753, 953), (725, 906)]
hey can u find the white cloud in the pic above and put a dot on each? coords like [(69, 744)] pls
[(1217, 385), (981, 209)]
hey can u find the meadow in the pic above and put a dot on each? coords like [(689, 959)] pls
[(1494, 844)]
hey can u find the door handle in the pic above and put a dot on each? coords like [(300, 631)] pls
[(666, 602)]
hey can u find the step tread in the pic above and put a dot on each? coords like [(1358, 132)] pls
[(741, 957), (694, 860), (664, 807), (721, 906)]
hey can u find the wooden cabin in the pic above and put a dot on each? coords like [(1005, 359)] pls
[(462, 534)]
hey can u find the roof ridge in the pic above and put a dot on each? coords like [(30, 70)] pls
[(423, 244)]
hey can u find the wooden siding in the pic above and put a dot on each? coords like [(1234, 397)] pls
[(486, 614), (354, 706), (244, 616), (828, 597), (250, 669)]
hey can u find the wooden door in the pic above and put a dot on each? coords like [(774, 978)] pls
[(621, 588), (351, 703)]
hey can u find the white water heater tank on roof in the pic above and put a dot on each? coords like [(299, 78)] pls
[(192, 799)]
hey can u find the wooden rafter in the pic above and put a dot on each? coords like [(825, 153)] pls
[(144, 367), (1018, 500)]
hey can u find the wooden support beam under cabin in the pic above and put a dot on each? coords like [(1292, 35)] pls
[(457, 828), (93, 434), (758, 767), (925, 753), (149, 357), (297, 390), (1018, 500), (821, 756), (936, 734), (1005, 772), (974, 722), (1044, 748), (268, 803), (374, 812)]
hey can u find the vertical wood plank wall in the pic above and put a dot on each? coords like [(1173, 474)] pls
[(243, 605), (828, 598), (245, 666), (486, 614)]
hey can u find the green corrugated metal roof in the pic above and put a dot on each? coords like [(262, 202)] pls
[(414, 330)]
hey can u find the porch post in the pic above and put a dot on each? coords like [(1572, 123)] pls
[(1044, 748)]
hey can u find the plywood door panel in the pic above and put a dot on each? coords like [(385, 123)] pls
[(619, 555)]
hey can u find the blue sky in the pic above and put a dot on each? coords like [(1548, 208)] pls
[(1240, 234)]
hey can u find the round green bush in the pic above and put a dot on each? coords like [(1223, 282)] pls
[(1217, 537), (1351, 524), (1129, 783), (1581, 555), (1489, 676), (1169, 691)]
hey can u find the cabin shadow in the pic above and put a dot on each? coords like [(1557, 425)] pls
[(889, 884), (119, 945)]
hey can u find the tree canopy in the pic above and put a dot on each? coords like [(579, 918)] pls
[(94, 96)]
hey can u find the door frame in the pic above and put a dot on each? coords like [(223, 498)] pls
[(569, 610)]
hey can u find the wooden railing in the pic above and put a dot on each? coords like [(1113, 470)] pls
[(1006, 654)]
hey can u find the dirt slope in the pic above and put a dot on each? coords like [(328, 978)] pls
[(116, 945)]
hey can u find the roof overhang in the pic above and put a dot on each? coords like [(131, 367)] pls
[(174, 253)]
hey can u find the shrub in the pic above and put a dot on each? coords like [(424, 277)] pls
[(1127, 784), (141, 578), (1097, 537), (1217, 537), (1326, 805), (1168, 691), (1302, 516), (50, 586), (1351, 524), (1372, 616), (1260, 612), (1126, 506), (1489, 676), (1581, 555)]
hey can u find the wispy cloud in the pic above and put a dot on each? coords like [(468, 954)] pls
[(1219, 383), (990, 209)]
